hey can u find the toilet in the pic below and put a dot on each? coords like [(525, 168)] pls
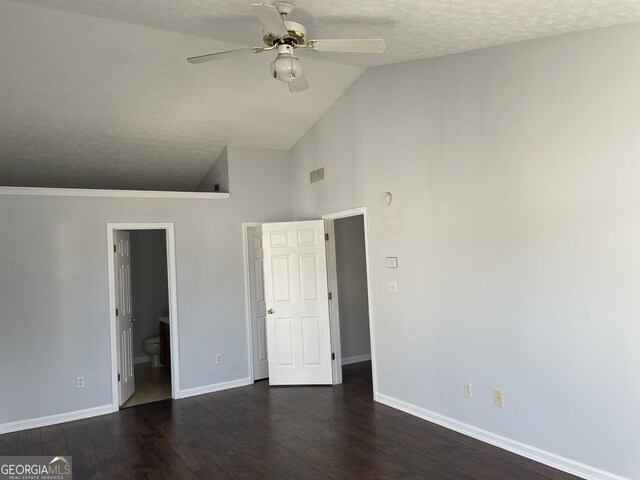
[(152, 347)]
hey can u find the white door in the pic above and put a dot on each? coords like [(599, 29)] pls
[(124, 317), (295, 281), (258, 308)]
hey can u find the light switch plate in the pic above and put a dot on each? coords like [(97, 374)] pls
[(468, 391), (392, 262)]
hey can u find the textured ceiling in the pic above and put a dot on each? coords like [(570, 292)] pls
[(412, 28), (92, 97)]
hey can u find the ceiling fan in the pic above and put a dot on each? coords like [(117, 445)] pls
[(284, 37)]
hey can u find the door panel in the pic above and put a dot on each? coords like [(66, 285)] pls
[(311, 341), (262, 341), (124, 316), (280, 279), (284, 342), (308, 277), (295, 290)]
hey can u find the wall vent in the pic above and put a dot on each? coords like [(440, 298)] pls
[(317, 175)]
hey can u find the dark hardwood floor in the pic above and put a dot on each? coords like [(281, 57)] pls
[(263, 432)]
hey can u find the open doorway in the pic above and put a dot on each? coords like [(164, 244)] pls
[(142, 293), (353, 304), (150, 306), (348, 276)]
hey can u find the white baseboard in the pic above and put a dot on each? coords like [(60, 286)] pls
[(138, 360), (542, 456), (356, 359), (55, 419), (215, 387)]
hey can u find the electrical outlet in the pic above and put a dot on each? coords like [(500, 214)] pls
[(468, 392), (80, 382), (498, 398), (392, 286), (219, 359)]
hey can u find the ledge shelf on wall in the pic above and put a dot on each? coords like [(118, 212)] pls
[(81, 192)]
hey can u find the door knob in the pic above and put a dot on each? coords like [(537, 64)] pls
[(270, 311)]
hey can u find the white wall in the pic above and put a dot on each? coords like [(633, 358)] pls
[(54, 307), (351, 270), (149, 287), (516, 220)]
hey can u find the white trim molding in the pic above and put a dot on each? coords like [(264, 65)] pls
[(85, 192), (55, 419), (334, 301), (547, 458), (356, 359), (215, 387)]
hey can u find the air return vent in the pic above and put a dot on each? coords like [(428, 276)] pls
[(317, 175)]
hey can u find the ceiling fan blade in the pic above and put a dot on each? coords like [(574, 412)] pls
[(363, 45), (228, 54), (270, 18), (299, 84)]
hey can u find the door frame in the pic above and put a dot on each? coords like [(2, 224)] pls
[(247, 293), (332, 278), (173, 303)]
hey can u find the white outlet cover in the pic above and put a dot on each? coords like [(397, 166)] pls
[(392, 286)]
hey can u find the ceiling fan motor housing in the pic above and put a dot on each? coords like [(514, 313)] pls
[(297, 36)]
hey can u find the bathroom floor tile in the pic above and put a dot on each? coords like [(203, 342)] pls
[(152, 384)]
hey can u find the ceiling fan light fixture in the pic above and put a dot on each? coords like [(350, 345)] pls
[(286, 67), (285, 36)]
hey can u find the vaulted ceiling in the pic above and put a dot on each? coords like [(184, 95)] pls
[(98, 94)]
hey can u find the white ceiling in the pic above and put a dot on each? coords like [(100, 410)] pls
[(90, 96)]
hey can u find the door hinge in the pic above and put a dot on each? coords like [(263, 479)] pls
[(333, 356), (330, 296), (114, 249), (118, 377), (116, 312), (326, 237)]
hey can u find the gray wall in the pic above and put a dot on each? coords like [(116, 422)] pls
[(149, 286), (218, 173), (54, 307), (516, 220), (352, 286)]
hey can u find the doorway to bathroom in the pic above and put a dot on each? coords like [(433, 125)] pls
[(142, 293)]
